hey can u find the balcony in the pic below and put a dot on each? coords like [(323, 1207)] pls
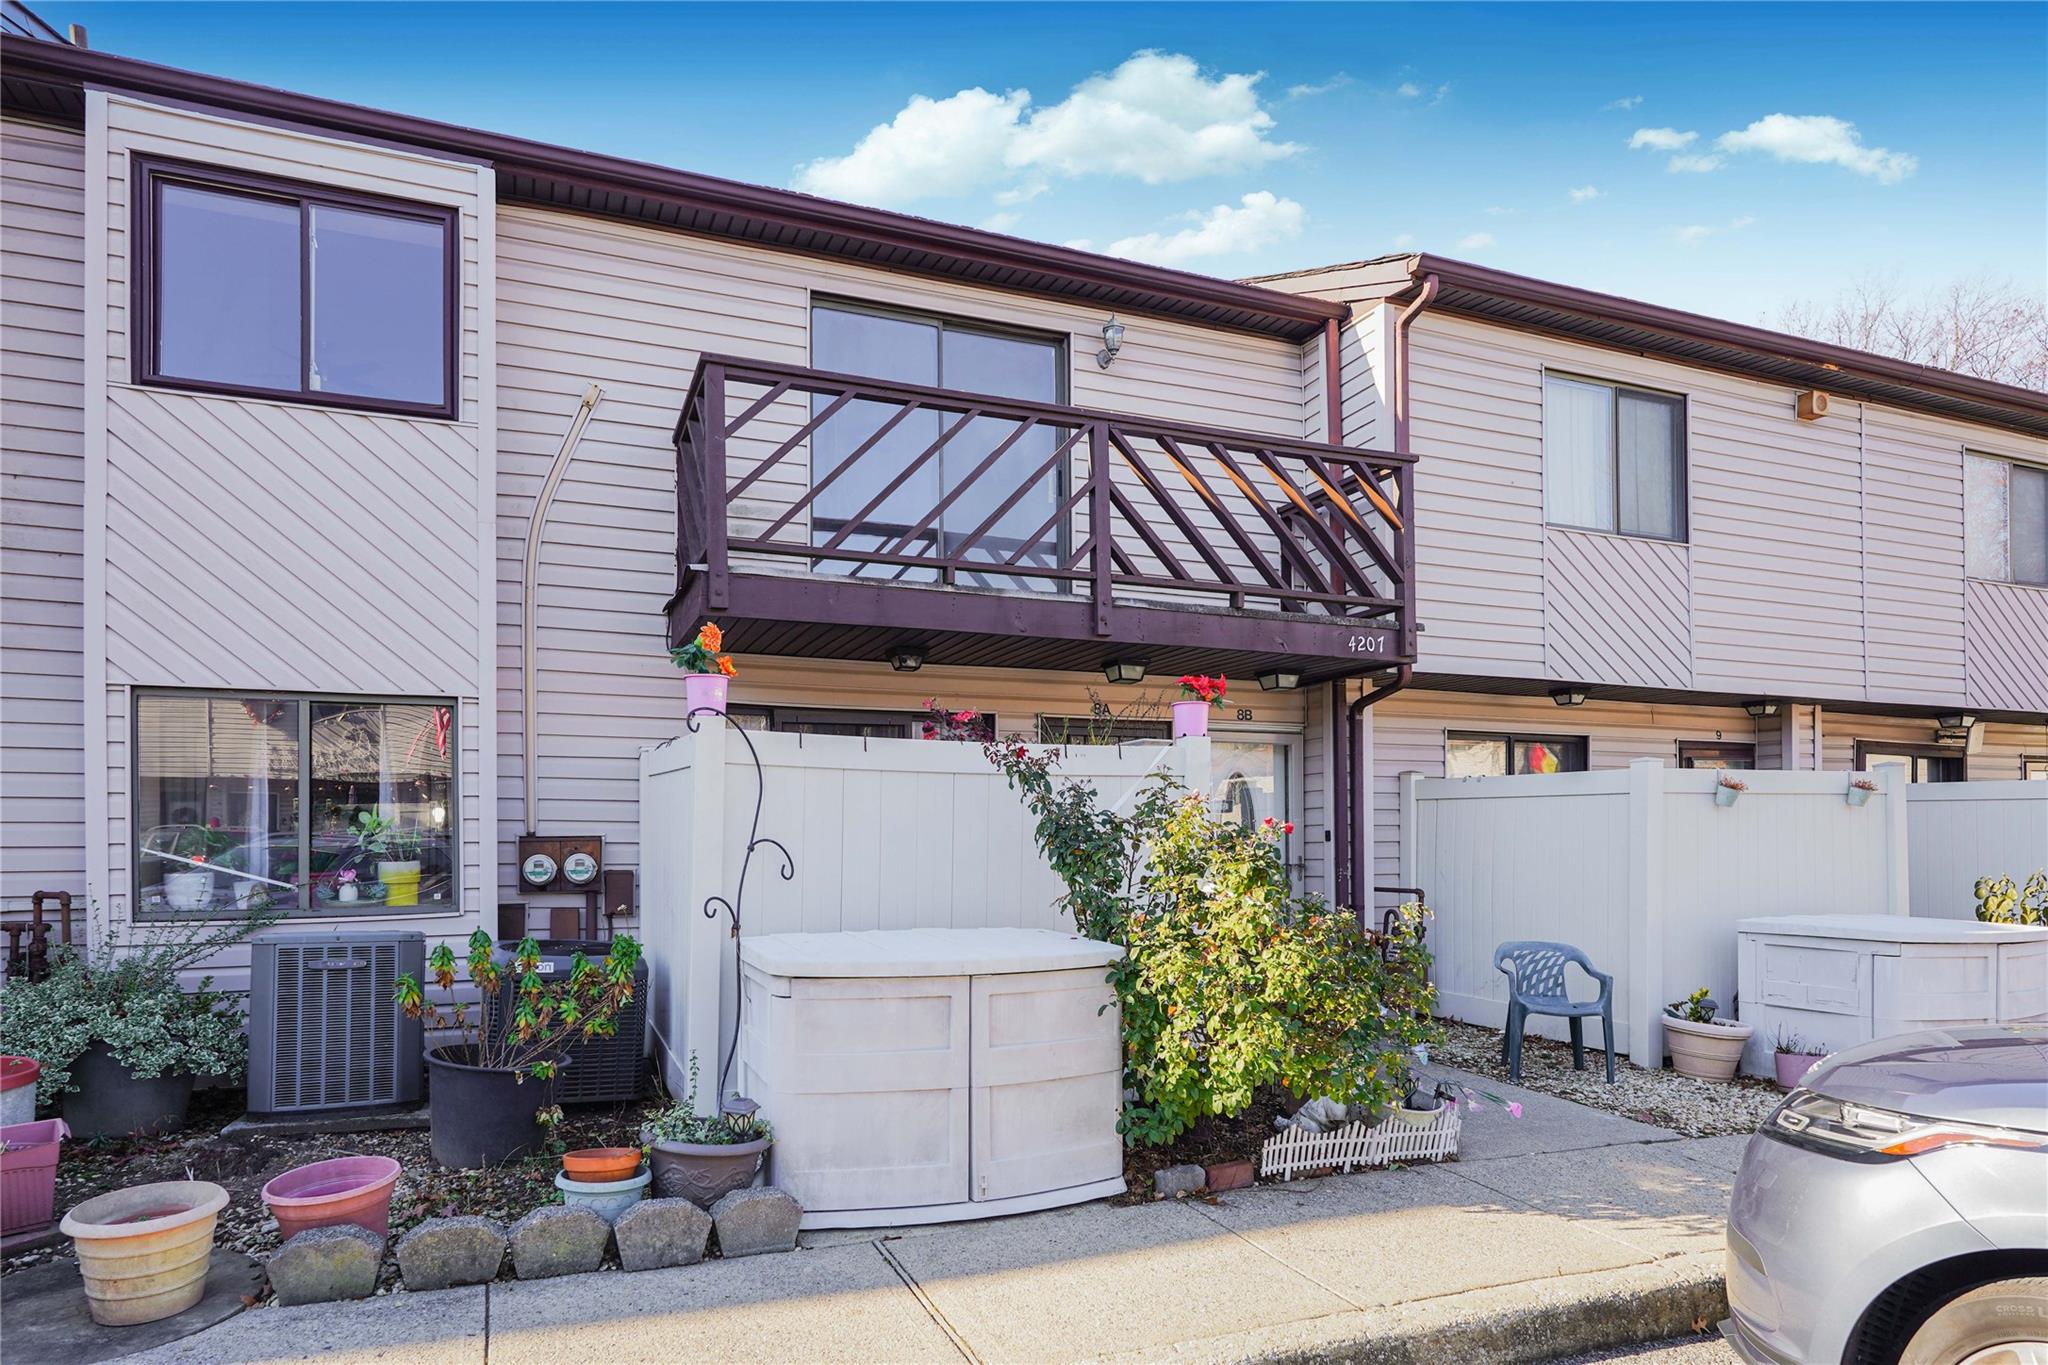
[(832, 516)]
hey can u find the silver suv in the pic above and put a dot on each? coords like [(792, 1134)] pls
[(1894, 1209)]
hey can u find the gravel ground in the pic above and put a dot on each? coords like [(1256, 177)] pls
[(244, 1163), (1664, 1098)]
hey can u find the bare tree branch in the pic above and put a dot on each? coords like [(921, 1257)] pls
[(1981, 326)]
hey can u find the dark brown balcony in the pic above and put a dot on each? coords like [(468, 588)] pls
[(831, 516)]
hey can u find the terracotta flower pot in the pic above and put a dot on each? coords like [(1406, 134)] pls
[(704, 1173), (1709, 1052), (1793, 1066), (143, 1251), (598, 1165), (347, 1189), (28, 1181)]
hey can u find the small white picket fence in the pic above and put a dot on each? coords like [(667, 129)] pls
[(1290, 1153)]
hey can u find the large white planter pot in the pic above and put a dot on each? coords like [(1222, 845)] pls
[(1708, 1051), (188, 890)]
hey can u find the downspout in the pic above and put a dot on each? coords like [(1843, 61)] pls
[(1333, 397), (1354, 799), (529, 591)]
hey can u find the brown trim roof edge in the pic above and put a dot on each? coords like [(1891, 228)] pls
[(1298, 317), (1697, 327)]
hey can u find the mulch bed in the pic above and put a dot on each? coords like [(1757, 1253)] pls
[(242, 1164), (1210, 1142)]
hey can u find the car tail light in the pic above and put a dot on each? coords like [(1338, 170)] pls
[(1861, 1132)]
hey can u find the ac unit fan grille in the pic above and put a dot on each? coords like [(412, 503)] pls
[(335, 1040)]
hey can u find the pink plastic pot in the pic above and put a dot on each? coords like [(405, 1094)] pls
[(347, 1189), (1793, 1066), (704, 691), (1190, 718), (28, 1180)]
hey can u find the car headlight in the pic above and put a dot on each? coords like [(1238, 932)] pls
[(1861, 1132)]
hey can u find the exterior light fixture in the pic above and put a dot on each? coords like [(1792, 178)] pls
[(1759, 709), (1568, 696), (1124, 670), (1112, 341), (1279, 680), (906, 660), (741, 1114), (1961, 720)]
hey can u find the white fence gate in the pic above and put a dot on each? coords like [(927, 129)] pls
[(1643, 870), (883, 833), (1960, 831)]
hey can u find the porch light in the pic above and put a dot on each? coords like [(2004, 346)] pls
[(1961, 720), (906, 660), (1124, 670), (1112, 341), (1759, 709), (1279, 680), (1568, 696)]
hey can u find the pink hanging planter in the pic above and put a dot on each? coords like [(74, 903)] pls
[(1190, 718), (706, 691), (348, 1189)]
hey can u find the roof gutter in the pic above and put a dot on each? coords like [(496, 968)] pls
[(62, 65)]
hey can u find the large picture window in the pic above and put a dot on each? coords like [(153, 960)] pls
[(252, 285), (2005, 508), (1613, 458), (311, 806)]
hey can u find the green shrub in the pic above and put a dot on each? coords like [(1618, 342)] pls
[(1230, 982), (1999, 901)]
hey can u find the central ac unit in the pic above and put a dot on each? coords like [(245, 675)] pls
[(324, 1032), (596, 1070)]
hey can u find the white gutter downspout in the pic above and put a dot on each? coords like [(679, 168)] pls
[(530, 590)]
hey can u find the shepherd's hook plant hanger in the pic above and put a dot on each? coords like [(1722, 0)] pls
[(715, 903)]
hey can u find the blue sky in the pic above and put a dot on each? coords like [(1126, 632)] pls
[(1780, 151)]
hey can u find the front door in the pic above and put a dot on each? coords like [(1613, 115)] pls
[(1253, 778)]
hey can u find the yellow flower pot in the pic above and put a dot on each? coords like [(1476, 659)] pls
[(143, 1251), (401, 882)]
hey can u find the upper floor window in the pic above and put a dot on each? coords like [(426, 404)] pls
[(2005, 508), (251, 285), (1613, 458)]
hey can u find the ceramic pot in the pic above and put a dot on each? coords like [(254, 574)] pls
[(1707, 1051), (111, 1102), (347, 1189), (143, 1251), (1793, 1066), (704, 1173), (706, 691), (482, 1116), (605, 1198), (600, 1164), (28, 1180), (401, 881), (188, 891), (1190, 718)]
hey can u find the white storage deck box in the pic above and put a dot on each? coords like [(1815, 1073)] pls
[(1839, 980), (928, 1075)]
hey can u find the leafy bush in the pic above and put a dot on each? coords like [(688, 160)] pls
[(681, 1122), (1230, 981), (547, 1014), (1697, 1008), (1999, 901), (127, 996)]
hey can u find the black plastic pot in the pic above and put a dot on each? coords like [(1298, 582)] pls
[(483, 1116), (111, 1102)]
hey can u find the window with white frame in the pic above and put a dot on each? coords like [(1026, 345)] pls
[(249, 802), (1613, 458), (2005, 510)]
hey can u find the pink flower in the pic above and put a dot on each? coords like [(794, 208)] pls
[(1287, 828), (1515, 1108)]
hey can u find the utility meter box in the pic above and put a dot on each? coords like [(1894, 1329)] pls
[(565, 864)]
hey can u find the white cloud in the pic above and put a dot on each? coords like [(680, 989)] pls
[(930, 147), (1302, 92), (1661, 139), (1408, 90), (1259, 219), (1155, 118), (1000, 222), (1583, 193), (1695, 233), (1625, 102), (1475, 241), (1441, 91), (1021, 194), (1817, 139), (1079, 243), (1498, 211), (1403, 241), (1740, 223), (1693, 163)]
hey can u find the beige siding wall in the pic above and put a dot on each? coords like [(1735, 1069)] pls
[(42, 487), (631, 309), (246, 544), (1997, 755)]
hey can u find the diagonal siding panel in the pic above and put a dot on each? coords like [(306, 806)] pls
[(2006, 646), (1618, 610)]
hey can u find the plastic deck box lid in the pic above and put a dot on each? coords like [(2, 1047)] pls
[(1892, 928), (924, 952), (18, 1071)]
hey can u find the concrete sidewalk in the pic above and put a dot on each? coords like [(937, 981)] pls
[(1562, 1231)]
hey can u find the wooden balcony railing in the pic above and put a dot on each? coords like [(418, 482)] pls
[(782, 470)]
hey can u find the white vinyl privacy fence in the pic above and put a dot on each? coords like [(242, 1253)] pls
[(1643, 870), (1960, 831), (881, 834)]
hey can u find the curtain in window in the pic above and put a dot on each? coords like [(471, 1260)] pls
[(1651, 455), (1578, 453), (2029, 525), (1987, 549)]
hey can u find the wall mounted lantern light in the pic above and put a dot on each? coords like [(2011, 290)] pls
[(1961, 720), (1124, 670), (1759, 709), (1568, 696), (1279, 680), (906, 660), (1112, 341)]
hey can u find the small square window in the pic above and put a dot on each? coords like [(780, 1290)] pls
[(1613, 458)]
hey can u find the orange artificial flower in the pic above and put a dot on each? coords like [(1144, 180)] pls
[(725, 666), (711, 637)]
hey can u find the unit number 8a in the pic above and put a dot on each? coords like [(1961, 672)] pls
[(1368, 644)]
